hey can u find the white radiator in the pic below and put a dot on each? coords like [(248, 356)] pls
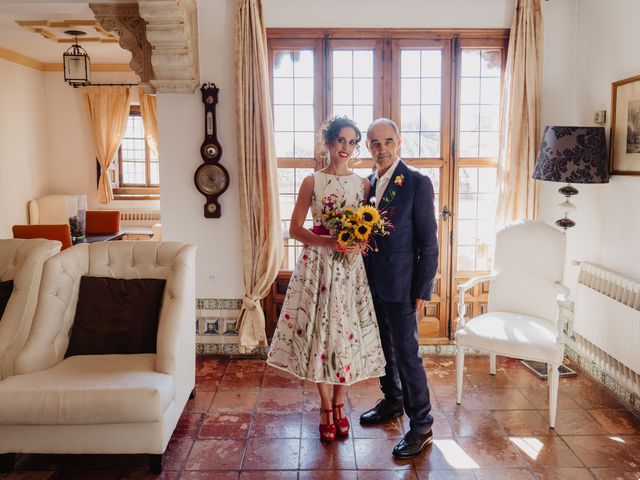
[(607, 322), (141, 217)]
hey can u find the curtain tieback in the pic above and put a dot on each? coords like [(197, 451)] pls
[(250, 303)]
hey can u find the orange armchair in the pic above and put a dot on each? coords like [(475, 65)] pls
[(60, 232), (102, 222)]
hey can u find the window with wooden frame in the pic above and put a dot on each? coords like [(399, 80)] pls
[(137, 167), (443, 89)]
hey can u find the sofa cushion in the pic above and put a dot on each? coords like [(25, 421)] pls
[(115, 315), (5, 294), (91, 389)]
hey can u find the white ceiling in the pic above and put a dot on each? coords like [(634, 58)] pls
[(21, 40)]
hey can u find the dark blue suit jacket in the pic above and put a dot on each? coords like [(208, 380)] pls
[(405, 265)]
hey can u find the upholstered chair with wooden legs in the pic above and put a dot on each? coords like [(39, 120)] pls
[(523, 312)]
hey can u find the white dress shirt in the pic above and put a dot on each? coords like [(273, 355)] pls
[(382, 182)]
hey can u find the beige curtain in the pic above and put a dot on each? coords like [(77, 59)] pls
[(149, 113), (520, 134), (108, 109), (257, 172)]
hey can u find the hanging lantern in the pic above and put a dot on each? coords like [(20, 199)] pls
[(77, 64)]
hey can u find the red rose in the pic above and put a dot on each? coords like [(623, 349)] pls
[(286, 316), (299, 332), (342, 380), (347, 368)]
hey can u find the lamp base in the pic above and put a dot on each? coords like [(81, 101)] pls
[(565, 223)]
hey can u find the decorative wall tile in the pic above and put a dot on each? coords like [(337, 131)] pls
[(210, 325)]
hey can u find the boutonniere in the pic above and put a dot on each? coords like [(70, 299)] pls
[(399, 180)]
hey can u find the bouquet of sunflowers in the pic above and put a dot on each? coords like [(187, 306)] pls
[(354, 225)]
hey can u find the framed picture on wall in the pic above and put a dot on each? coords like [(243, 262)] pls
[(625, 127)]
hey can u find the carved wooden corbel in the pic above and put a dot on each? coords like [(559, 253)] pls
[(125, 20)]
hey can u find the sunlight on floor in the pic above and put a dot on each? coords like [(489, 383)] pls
[(530, 446), (455, 455)]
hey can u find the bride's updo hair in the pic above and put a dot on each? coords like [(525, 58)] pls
[(329, 131)]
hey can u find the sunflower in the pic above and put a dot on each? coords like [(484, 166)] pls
[(362, 231), (345, 238), (369, 214), (348, 211)]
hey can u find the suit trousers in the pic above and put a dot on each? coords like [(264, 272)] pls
[(405, 381)]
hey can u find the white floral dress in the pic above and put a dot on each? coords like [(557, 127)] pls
[(327, 331)]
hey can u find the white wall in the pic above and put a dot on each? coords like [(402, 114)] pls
[(24, 163), (607, 227), (219, 272), (71, 153)]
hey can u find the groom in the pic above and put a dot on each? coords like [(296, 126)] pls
[(401, 274)]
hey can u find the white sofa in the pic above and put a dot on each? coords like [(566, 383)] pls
[(102, 403), (21, 261)]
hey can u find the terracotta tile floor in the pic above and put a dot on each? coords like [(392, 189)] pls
[(251, 422)]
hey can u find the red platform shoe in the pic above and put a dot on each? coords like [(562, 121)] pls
[(342, 424), (327, 431)]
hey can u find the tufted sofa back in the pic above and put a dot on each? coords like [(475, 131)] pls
[(21, 261), (172, 261)]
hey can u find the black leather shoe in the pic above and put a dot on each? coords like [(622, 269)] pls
[(412, 444), (381, 413)]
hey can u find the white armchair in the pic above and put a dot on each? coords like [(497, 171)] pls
[(49, 210), (102, 403), (523, 315), (21, 261)]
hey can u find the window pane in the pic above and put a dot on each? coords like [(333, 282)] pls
[(342, 63), (470, 63), (489, 117), (410, 63), (490, 90), (470, 90), (284, 144), (304, 145), (342, 91), (303, 118), (304, 64), (430, 91), (154, 168), (410, 91), (430, 117), (420, 103), (489, 144), (282, 90), (476, 218), (303, 91), (431, 63), (466, 206), (283, 117), (285, 181), (363, 91), (469, 144), (283, 63), (353, 85), (293, 110), (410, 118), (429, 144), (480, 103), (363, 63), (410, 146), (363, 116), (491, 63), (469, 118)]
